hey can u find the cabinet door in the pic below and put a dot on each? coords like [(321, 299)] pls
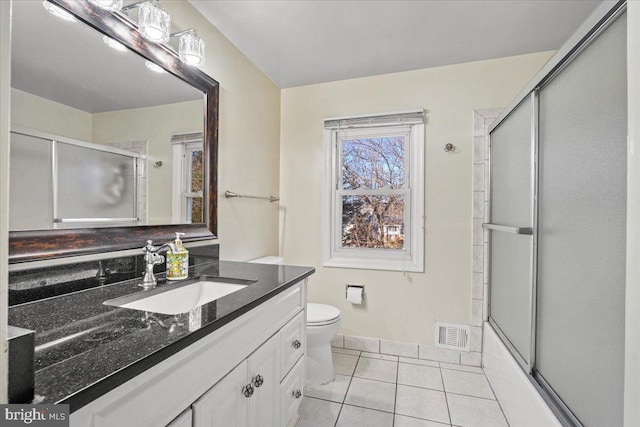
[(224, 405), (183, 420), (264, 374)]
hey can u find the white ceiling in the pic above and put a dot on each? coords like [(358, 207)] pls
[(299, 42)]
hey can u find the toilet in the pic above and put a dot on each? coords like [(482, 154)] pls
[(323, 322)]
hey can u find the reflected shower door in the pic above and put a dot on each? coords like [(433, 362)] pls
[(94, 185), (31, 198)]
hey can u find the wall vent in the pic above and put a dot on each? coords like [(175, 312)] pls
[(454, 337)]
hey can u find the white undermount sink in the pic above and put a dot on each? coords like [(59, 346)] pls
[(178, 299)]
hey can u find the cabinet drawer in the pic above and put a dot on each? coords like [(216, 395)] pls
[(291, 389), (292, 342)]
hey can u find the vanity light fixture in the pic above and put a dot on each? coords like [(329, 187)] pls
[(58, 12), (114, 44), (154, 23), (110, 5), (154, 67), (190, 48)]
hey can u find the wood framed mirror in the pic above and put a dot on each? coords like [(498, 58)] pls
[(55, 242)]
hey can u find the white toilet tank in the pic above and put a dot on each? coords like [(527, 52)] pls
[(269, 260)]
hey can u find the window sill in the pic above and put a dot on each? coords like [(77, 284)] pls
[(373, 264)]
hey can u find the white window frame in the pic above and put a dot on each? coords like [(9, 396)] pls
[(411, 257), (183, 145)]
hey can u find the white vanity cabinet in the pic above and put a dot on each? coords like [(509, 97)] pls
[(264, 390), (248, 396), (248, 373)]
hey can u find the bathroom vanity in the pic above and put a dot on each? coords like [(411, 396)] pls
[(234, 361)]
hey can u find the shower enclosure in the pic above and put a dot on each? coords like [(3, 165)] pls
[(558, 229), (64, 183)]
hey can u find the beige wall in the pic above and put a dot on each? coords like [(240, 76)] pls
[(48, 116), (399, 307), (155, 125), (249, 141)]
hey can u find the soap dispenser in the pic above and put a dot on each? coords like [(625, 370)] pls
[(178, 261)]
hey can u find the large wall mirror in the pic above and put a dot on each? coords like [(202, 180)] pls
[(113, 140)]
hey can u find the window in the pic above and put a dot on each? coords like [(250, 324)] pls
[(374, 190), (188, 178)]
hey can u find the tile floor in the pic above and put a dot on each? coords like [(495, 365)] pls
[(378, 390)]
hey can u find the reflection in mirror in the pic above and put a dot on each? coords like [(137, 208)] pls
[(98, 138)]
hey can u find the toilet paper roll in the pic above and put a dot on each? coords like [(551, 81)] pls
[(354, 295)]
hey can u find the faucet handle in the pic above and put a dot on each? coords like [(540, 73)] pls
[(149, 247)]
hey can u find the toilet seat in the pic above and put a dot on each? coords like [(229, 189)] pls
[(321, 314)]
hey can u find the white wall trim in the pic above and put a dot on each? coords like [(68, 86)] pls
[(482, 119), (5, 120), (177, 180), (632, 300)]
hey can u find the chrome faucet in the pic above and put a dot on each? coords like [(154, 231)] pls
[(151, 258)]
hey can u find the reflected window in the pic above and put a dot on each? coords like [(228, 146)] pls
[(192, 196), (188, 182)]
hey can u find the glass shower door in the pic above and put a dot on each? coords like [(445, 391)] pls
[(511, 228), (582, 231)]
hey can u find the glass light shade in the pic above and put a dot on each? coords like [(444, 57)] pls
[(191, 49), (114, 44), (58, 12), (154, 67), (154, 23), (110, 5)]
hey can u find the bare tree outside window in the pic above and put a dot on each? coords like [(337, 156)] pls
[(194, 181), (371, 219), (196, 186)]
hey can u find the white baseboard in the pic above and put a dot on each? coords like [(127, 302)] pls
[(412, 350)]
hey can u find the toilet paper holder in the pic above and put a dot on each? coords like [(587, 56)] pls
[(348, 285)]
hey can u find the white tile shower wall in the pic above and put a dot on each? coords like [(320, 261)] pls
[(521, 403), (480, 214)]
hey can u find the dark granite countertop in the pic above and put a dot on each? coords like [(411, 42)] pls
[(85, 348)]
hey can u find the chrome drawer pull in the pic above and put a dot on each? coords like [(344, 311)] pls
[(296, 344), (297, 394)]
